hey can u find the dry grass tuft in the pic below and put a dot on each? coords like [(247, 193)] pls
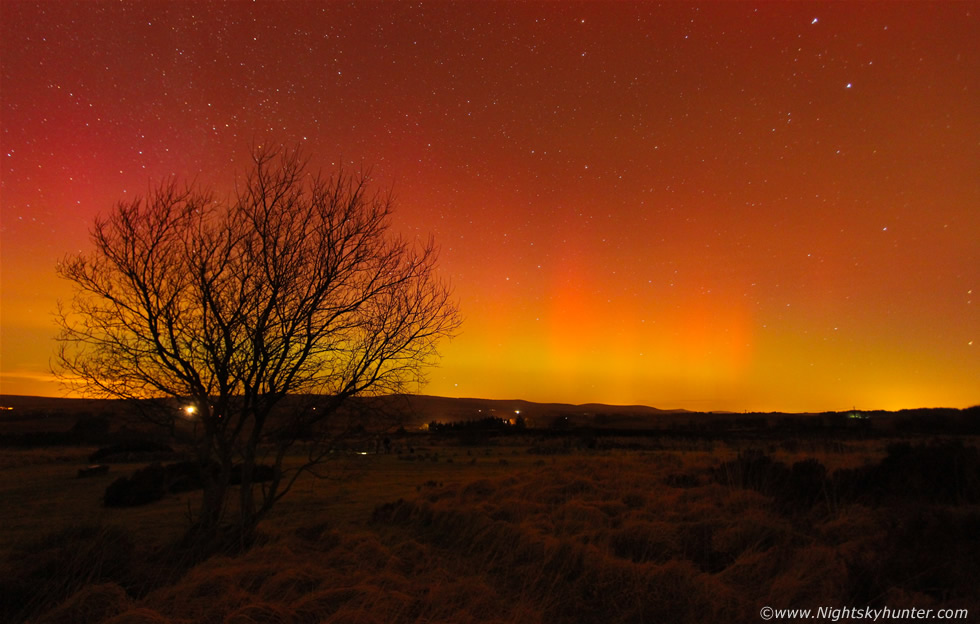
[(142, 615), (756, 531), (294, 582), (815, 576), (353, 615), (209, 592), (576, 518), (260, 613), (93, 603), (640, 541), (321, 605)]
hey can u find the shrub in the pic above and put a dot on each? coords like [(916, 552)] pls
[(146, 485), (754, 470), (90, 428), (945, 473), (127, 451), (796, 488), (155, 481), (932, 552)]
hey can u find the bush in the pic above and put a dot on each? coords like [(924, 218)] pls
[(152, 483), (944, 473), (260, 472), (146, 485), (753, 470), (807, 483), (90, 428), (792, 488), (932, 552), (126, 451)]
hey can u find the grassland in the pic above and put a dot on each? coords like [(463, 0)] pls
[(517, 529)]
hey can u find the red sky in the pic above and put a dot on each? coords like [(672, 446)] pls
[(734, 206)]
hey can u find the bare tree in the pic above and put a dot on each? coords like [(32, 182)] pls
[(295, 288)]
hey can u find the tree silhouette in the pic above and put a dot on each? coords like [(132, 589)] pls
[(295, 287)]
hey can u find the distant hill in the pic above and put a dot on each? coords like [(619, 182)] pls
[(414, 412), (421, 409), (19, 402)]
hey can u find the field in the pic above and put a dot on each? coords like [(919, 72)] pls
[(521, 528)]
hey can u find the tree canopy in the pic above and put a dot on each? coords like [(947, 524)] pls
[(295, 286)]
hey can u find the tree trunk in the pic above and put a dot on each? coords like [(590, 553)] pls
[(248, 516), (204, 532), (247, 520), (212, 506)]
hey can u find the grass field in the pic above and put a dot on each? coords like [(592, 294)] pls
[(514, 530)]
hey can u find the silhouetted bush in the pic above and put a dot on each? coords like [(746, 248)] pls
[(807, 483), (183, 477), (944, 473), (930, 551), (128, 451), (155, 481), (261, 472), (796, 487), (90, 428), (941, 473), (754, 470), (144, 486)]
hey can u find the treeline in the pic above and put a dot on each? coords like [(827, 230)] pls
[(87, 429), (706, 424), (944, 472), (482, 425)]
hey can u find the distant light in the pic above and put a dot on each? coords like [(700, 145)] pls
[(848, 86), (190, 410), (517, 412), (815, 20)]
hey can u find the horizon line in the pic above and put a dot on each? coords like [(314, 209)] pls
[(561, 403)]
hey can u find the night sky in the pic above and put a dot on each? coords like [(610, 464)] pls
[(763, 206)]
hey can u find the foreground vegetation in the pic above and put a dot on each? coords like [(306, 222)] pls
[(518, 529)]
